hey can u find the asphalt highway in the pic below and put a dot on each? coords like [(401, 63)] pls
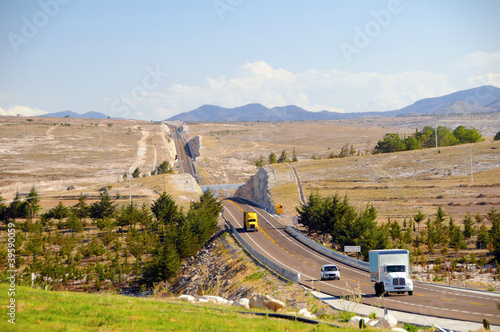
[(184, 160), (275, 243)]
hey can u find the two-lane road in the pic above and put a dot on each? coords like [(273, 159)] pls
[(275, 243), (184, 160)]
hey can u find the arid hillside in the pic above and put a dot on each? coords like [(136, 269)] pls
[(63, 157), (398, 184)]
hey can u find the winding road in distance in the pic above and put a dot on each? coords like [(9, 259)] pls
[(184, 159), (276, 244)]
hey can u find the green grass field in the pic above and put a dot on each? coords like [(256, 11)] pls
[(39, 310)]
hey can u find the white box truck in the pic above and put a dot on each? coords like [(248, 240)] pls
[(390, 270)]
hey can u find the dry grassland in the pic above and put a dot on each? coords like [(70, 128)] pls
[(63, 157), (397, 184)]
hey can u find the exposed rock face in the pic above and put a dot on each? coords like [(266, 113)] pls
[(194, 145), (257, 187)]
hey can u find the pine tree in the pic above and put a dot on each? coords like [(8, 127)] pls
[(272, 158), (419, 217), (166, 211), (164, 264), (468, 226), (17, 208), (32, 203), (483, 237), (283, 157), (494, 217), (102, 208), (4, 210), (294, 156), (395, 230), (81, 209)]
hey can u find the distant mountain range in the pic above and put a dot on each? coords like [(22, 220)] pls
[(478, 100), (71, 114)]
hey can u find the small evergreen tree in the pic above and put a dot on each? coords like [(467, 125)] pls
[(483, 237), (166, 210), (32, 203), (419, 217), (136, 173), (294, 156), (272, 158), (102, 208), (259, 162), (17, 208), (283, 157), (468, 226), (164, 265)]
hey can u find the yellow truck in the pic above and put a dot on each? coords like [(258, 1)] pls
[(250, 221)]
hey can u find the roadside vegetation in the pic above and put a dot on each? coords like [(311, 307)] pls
[(69, 311), (332, 219), (102, 246), (427, 139)]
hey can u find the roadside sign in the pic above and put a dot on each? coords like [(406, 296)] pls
[(352, 248), (279, 208), (448, 264)]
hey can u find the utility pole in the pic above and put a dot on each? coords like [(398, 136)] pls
[(436, 134)]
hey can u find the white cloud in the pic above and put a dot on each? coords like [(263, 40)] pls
[(313, 90), (485, 79), (21, 110), (480, 60)]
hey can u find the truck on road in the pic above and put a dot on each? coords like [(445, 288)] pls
[(390, 270), (250, 221)]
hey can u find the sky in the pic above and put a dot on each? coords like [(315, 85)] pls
[(153, 59)]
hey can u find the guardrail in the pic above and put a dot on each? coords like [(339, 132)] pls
[(328, 252), (287, 274)]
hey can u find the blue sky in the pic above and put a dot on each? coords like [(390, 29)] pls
[(154, 59)]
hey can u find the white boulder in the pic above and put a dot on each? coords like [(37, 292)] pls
[(243, 302), (213, 299), (305, 313), (388, 321), (265, 301)]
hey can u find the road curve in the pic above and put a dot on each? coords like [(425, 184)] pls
[(276, 244), (184, 160)]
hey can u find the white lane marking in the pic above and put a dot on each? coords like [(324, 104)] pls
[(281, 263), (301, 246), (330, 285)]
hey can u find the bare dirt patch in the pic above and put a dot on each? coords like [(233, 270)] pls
[(62, 157)]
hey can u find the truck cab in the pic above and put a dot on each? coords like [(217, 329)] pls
[(390, 270), (396, 280), (250, 223)]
